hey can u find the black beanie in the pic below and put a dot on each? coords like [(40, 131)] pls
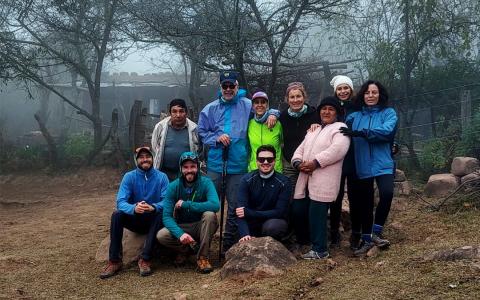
[(332, 101)]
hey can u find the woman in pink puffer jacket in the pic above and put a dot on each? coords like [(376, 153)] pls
[(319, 159)]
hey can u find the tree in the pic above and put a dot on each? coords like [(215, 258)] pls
[(77, 36), (399, 40), (259, 39)]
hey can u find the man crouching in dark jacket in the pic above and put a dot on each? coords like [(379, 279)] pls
[(263, 197)]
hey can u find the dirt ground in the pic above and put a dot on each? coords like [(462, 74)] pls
[(51, 226)]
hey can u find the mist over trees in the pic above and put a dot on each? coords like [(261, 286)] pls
[(427, 53)]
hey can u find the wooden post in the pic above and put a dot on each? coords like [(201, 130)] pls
[(465, 108)]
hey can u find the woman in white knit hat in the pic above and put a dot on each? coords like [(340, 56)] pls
[(343, 91)]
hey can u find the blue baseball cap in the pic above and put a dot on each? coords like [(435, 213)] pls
[(228, 76)]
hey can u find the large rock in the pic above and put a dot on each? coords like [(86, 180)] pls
[(462, 166), (400, 176), (402, 188), (465, 252), (259, 257), (441, 185), (471, 176), (132, 244)]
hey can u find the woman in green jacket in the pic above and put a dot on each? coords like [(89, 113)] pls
[(259, 133)]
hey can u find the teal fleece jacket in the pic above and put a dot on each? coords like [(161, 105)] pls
[(201, 197)]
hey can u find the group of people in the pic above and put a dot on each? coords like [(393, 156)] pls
[(281, 172)]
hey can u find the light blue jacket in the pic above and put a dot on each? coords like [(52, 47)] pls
[(139, 185), (373, 152), (222, 117)]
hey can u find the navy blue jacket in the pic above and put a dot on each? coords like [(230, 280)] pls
[(262, 199)]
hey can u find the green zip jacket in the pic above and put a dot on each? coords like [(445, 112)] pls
[(201, 197), (259, 134)]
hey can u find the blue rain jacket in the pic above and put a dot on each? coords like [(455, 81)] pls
[(373, 153), (232, 117)]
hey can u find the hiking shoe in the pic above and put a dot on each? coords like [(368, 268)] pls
[(203, 265), (312, 254), (379, 241), (365, 246), (298, 250), (145, 267), (180, 259), (111, 269), (355, 241)]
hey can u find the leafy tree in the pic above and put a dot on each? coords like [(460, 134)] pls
[(74, 36)]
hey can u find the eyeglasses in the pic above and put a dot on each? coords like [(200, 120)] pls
[(265, 159), (227, 86)]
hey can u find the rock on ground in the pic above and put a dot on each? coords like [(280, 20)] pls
[(471, 176), (441, 185), (402, 188), (258, 258), (400, 176), (465, 252), (462, 166), (132, 244)]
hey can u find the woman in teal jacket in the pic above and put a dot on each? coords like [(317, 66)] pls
[(372, 130), (259, 134)]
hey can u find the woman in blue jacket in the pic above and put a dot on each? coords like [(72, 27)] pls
[(372, 130)]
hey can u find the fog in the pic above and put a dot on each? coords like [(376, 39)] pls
[(74, 75)]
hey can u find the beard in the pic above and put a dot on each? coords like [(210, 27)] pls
[(190, 176)]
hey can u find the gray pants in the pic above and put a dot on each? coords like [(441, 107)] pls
[(291, 173), (201, 231)]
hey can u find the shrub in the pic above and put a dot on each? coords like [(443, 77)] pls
[(76, 148)]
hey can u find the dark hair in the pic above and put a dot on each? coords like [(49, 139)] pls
[(383, 94), (268, 148), (177, 102)]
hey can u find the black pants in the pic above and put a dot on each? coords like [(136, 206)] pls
[(354, 202), (146, 223), (366, 204), (276, 228)]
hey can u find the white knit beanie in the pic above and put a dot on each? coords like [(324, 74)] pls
[(341, 79)]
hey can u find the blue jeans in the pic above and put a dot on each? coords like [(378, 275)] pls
[(230, 234)]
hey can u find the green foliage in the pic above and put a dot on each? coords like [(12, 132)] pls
[(77, 147), (470, 143), (438, 153), (22, 159)]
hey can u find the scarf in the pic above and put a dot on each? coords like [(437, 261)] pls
[(297, 114), (262, 119)]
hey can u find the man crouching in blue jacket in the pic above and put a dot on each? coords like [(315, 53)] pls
[(189, 213), (139, 209)]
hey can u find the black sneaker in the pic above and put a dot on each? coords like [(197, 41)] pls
[(363, 249), (355, 241), (379, 241)]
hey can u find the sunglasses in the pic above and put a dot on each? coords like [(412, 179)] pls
[(265, 159), (227, 86)]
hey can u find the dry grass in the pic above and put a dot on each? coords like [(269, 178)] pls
[(50, 229)]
